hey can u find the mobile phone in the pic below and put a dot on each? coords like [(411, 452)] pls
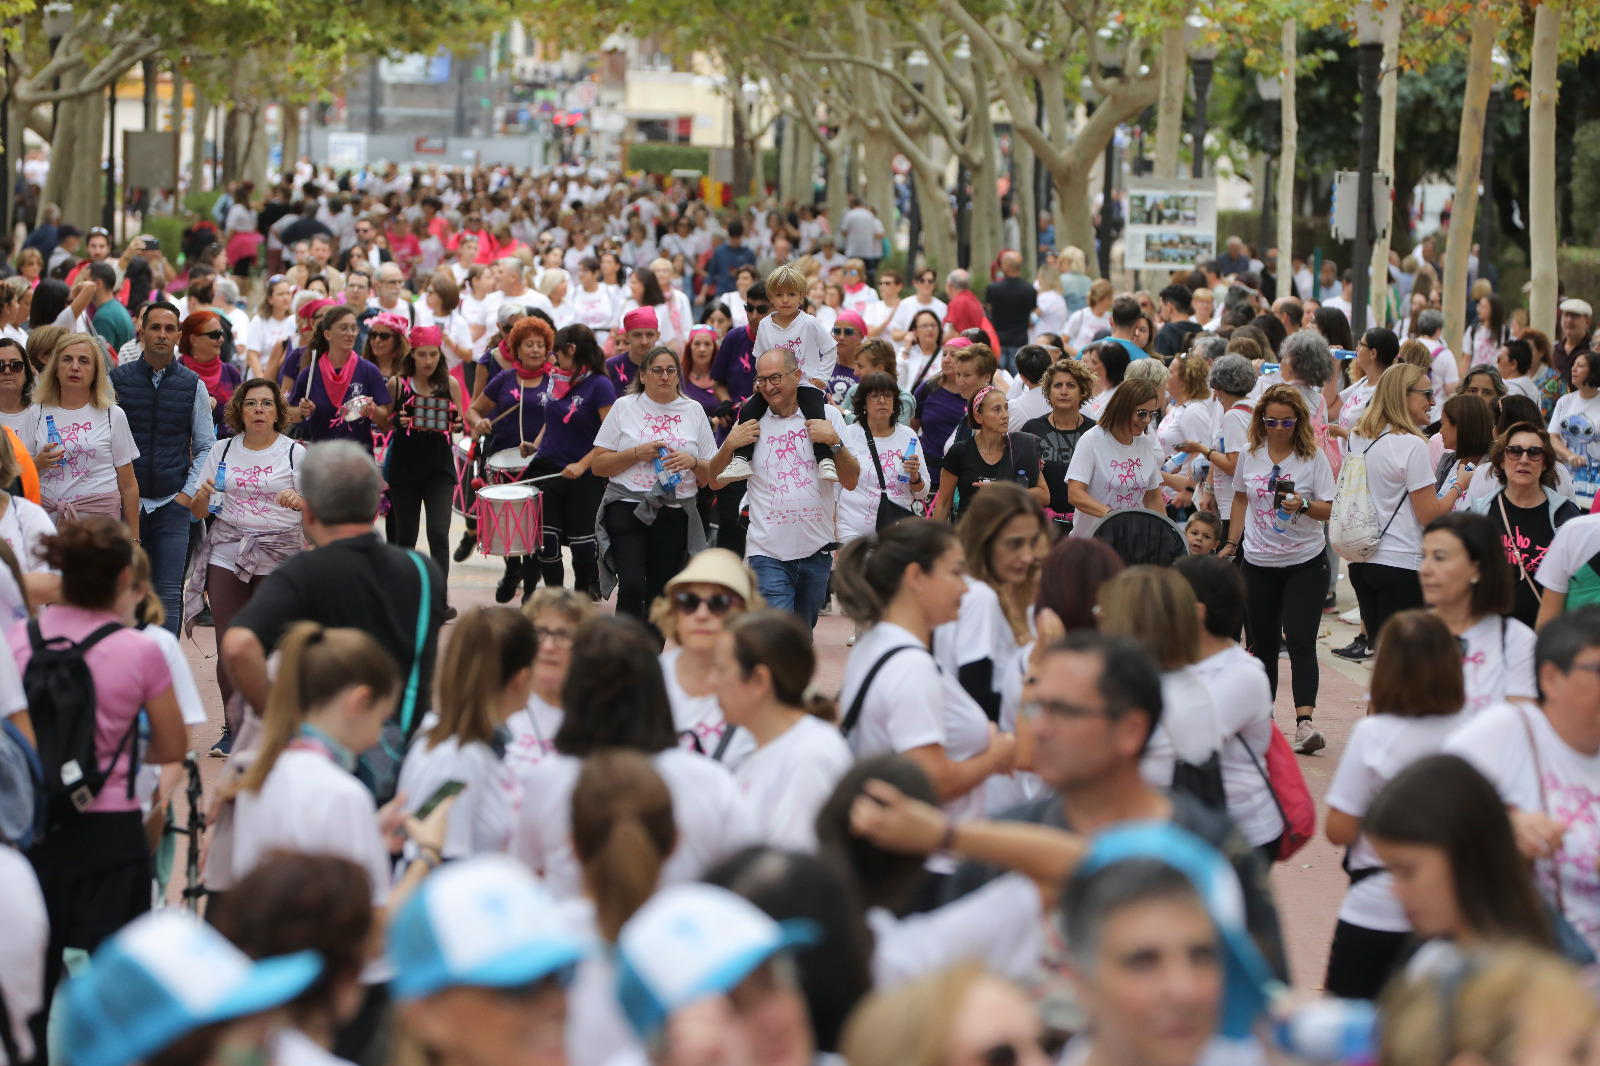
[(1281, 488), (1343, 353), (151, 244), (444, 792)]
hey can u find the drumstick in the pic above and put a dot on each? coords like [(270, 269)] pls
[(541, 477)]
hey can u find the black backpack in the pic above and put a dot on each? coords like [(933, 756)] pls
[(63, 706)]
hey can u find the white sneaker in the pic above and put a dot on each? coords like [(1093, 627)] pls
[(738, 469), (826, 471), (1308, 739)]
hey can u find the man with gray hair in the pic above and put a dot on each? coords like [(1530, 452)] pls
[(351, 579), (514, 288), (964, 312), (1445, 372)]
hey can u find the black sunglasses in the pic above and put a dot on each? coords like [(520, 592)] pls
[(1515, 451), (214, 334), (718, 603), (13, 366), (758, 309)]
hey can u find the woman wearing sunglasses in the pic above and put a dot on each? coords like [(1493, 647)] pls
[(16, 385), (696, 608), (1526, 506), (200, 348), (1116, 464), (1282, 494)]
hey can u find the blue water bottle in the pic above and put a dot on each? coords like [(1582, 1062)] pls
[(666, 481), (911, 453), (1340, 1031), (52, 435), (219, 492)]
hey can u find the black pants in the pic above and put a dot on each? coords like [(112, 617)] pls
[(408, 496), (813, 404), (646, 557), (1361, 960), (1383, 591), (1287, 599), (571, 506), (730, 531)]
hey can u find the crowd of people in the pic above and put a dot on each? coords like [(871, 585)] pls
[(1078, 533)]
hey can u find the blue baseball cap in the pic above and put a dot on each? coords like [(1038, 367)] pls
[(1249, 982), (484, 922), (691, 941), (164, 976)]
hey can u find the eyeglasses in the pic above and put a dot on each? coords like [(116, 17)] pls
[(259, 405), (561, 638), (1424, 392), (211, 334), (664, 371), (718, 603), (844, 331), (773, 380), (1061, 709), (1144, 416), (1514, 451), (1278, 423), (925, 281), (1591, 668)]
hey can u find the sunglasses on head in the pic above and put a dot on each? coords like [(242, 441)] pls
[(718, 603), (1515, 451)]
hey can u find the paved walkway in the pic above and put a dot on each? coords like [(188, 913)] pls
[(1309, 887)]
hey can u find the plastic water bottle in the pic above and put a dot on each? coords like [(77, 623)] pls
[(1280, 520), (52, 435), (911, 453), (1173, 465), (1330, 1031), (666, 481), (219, 493)]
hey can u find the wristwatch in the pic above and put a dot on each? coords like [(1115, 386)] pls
[(836, 448)]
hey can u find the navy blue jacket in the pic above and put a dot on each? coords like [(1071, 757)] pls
[(162, 422)]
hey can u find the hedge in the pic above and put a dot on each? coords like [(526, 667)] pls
[(656, 157)]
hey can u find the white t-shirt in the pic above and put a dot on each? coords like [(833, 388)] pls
[(598, 1033), (912, 703), (23, 948), (1303, 537), (597, 309), (21, 527), (636, 419), (912, 364), (698, 719), (1238, 682), (806, 337), (999, 925), (310, 805), (1117, 475), (1523, 386), (1033, 403), (251, 486), (291, 1047), (1496, 662), (1052, 312), (712, 822), (1397, 465), (858, 507), (1574, 545), (1083, 325), (1496, 742), (96, 442), (907, 309), (1232, 434), (1380, 746), (1353, 404), (1445, 373), (785, 782), (263, 333), (533, 734), (791, 509), (480, 820)]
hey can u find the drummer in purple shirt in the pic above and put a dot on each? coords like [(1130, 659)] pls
[(337, 383), (579, 395), (640, 332)]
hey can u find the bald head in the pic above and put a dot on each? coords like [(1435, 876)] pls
[(1011, 263), (778, 380)]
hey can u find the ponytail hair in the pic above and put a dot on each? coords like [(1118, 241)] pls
[(779, 641), (488, 646), (870, 569), (622, 833), (315, 665), (149, 612)]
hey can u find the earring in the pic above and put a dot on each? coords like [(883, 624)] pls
[(1474, 581)]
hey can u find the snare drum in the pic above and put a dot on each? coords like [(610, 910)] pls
[(461, 498), (505, 465), (508, 519)]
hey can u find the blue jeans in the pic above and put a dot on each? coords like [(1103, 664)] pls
[(1008, 358), (797, 585), (164, 533)]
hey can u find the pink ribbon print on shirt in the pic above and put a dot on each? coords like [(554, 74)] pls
[(665, 428), (1129, 472), (247, 489), (1575, 807), (76, 458)]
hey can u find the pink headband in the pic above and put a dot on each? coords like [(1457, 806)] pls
[(390, 321), (640, 318), (427, 337), (977, 397)]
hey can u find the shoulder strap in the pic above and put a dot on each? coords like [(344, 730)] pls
[(225, 446), (722, 744), (408, 703), (872, 447), (97, 636), (854, 715), (924, 372), (1544, 806)]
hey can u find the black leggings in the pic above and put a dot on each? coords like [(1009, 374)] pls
[(730, 534), (1383, 591), (408, 496), (646, 557), (1287, 599), (1361, 959), (570, 507), (813, 404)]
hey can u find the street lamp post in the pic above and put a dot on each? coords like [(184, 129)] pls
[(1271, 92), (917, 72), (1202, 61), (1369, 31)]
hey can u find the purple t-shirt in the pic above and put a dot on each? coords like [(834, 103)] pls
[(621, 370), (502, 389), (572, 422), (735, 364), (326, 423), (940, 410), (841, 381), (291, 366), (706, 398)]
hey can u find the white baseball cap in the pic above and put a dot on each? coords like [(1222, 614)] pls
[(483, 922), (691, 941)]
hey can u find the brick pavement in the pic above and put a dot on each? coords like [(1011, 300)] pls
[(1309, 887)]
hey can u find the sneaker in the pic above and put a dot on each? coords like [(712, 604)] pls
[(507, 587), (469, 540), (224, 745), (1308, 739), (1358, 650), (826, 471), (738, 469)]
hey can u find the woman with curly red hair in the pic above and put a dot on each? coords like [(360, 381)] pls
[(200, 339)]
